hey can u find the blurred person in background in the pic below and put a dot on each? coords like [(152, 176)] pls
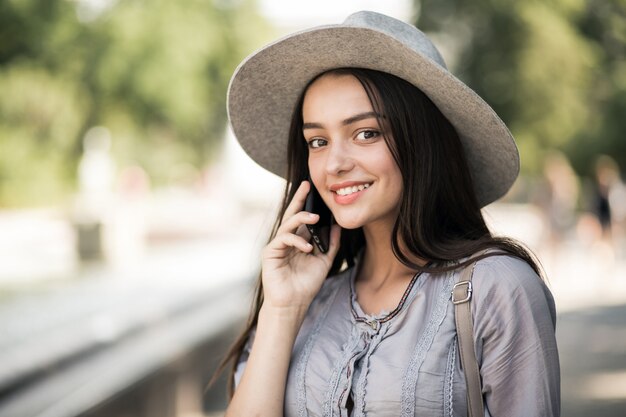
[(404, 155), (608, 199), (557, 196), (604, 178)]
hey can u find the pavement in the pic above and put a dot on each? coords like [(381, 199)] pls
[(589, 286), (592, 348)]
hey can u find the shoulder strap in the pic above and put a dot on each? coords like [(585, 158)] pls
[(461, 298)]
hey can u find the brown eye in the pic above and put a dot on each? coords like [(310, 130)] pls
[(367, 134), (316, 143)]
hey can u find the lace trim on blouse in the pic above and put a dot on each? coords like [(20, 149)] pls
[(409, 386), (449, 381)]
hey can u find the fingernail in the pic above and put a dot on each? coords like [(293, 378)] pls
[(313, 215)]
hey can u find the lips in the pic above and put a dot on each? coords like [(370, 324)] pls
[(349, 192)]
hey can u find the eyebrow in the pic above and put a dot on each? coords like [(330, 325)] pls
[(348, 121)]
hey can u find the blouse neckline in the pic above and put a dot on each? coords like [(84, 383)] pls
[(375, 320)]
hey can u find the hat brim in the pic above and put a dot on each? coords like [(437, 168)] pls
[(265, 88)]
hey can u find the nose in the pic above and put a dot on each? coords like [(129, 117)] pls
[(339, 159)]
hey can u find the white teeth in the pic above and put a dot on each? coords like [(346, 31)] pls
[(353, 189)]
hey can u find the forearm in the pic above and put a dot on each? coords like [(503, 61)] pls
[(261, 391)]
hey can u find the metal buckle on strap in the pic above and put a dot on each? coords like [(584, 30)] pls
[(469, 292)]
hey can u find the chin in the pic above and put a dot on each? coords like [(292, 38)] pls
[(348, 224)]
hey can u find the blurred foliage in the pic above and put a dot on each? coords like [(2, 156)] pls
[(153, 72), (555, 70)]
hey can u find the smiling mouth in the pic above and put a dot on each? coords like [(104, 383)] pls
[(353, 189)]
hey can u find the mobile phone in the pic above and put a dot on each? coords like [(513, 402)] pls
[(320, 231)]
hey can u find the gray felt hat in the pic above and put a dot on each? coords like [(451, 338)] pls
[(266, 86)]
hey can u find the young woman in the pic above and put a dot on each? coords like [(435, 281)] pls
[(404, 155)]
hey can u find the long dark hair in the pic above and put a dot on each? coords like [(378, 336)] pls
[(439, 218)]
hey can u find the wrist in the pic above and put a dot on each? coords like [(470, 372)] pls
[(284, 314)]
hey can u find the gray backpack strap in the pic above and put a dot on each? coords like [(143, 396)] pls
[(461, 298)]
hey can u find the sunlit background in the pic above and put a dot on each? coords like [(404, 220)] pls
[(131, 221)]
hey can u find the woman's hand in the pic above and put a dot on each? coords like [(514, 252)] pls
[(293, 270)]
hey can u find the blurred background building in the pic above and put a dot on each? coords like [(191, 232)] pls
[(131, 221)]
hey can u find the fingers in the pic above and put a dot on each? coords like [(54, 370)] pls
[(297, 202), (288, 240), (294, 217), (297, 231), (297, 220), (304, 232), (293, 231)]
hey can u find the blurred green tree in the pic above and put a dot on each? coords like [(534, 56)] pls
[(554, 71), (154, 73)]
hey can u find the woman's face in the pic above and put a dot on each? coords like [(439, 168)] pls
[(349, 161)]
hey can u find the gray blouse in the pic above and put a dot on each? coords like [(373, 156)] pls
[(406, 362)]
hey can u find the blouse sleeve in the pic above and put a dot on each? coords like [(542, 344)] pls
[(243, 359), (514, 330)]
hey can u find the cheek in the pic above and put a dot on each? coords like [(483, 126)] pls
[(382, 162), (392, 178), (314, 167), (316, 172), (398, 184)]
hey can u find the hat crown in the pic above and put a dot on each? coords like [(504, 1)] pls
[(399, 30)]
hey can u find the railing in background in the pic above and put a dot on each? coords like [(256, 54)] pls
[(153, 355)]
